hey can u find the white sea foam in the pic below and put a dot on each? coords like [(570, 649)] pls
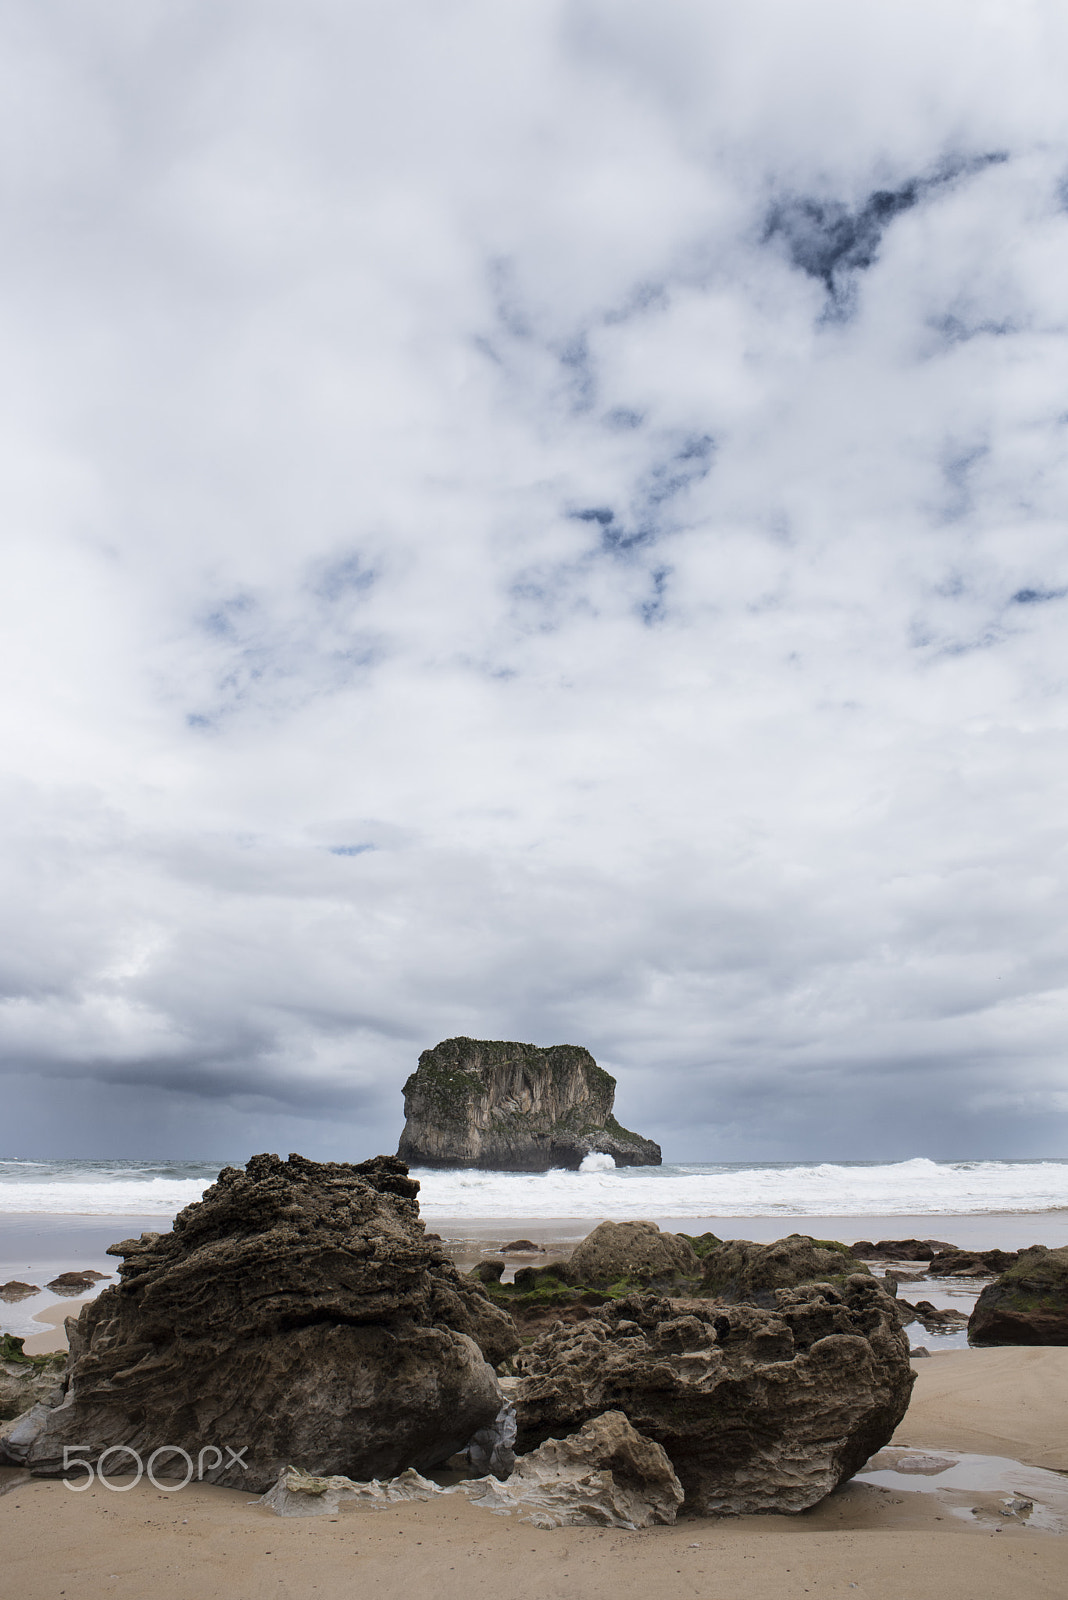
[(900, 1188), (103, 1188), (600, 1189), (597, 1161), (155, 1197)]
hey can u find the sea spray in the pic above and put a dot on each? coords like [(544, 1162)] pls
[(693, 1189)]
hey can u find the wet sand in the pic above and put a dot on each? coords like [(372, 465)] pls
[(53, 1334), (37, 1248), (1008, 1401)]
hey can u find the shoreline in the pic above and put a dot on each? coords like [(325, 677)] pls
[(989, 1230), (37, 1246)]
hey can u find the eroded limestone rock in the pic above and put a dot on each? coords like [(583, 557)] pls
[(76, 1282), (900, 1249), (972, 1263), (605, 1475), (296, 1313), (758, 1410)]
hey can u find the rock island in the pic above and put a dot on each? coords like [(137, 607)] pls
[(514, 1108)]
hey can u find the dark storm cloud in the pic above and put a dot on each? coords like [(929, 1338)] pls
[(539, 521)]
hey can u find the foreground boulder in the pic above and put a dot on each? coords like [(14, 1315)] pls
[(758, 1410), (634, 1251), (514, 1108), (606, 1475), (296, 1314), (739, 1270), (1028, 1304)]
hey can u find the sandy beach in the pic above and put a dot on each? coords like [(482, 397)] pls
[(864, 1541), (884, 1542)]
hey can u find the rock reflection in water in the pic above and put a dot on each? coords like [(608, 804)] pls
[(993, 1490)]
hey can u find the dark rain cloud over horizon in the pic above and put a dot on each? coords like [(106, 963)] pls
[(540, 522)]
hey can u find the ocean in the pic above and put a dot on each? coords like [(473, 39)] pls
[(917, 1187)]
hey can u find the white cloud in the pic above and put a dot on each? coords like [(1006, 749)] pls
[(465, 573)]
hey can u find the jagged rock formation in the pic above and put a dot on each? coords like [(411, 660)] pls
[(513, 1108), (606, 1473), (737, 1269), (604, 1476), (758, 1410), (1028, 1304), (296, 1313)]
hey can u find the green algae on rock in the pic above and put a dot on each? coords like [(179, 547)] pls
[(26, 1381), (738, 1270), (633, 1250), (1028, 1304), (510, 1107)]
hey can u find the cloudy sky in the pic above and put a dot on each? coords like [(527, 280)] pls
[(540, 521)]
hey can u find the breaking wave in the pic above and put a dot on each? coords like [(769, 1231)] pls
[(903, 1188)]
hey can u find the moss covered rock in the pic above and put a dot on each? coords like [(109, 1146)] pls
[(637, 1251), (26, 1380), (1028, 1304), (511, 1107), (739, 1270)]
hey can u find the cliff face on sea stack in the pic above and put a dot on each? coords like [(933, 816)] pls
[(514, 1108), (298, 1315)]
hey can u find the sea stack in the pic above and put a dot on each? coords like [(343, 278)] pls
[(514, 1108)]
